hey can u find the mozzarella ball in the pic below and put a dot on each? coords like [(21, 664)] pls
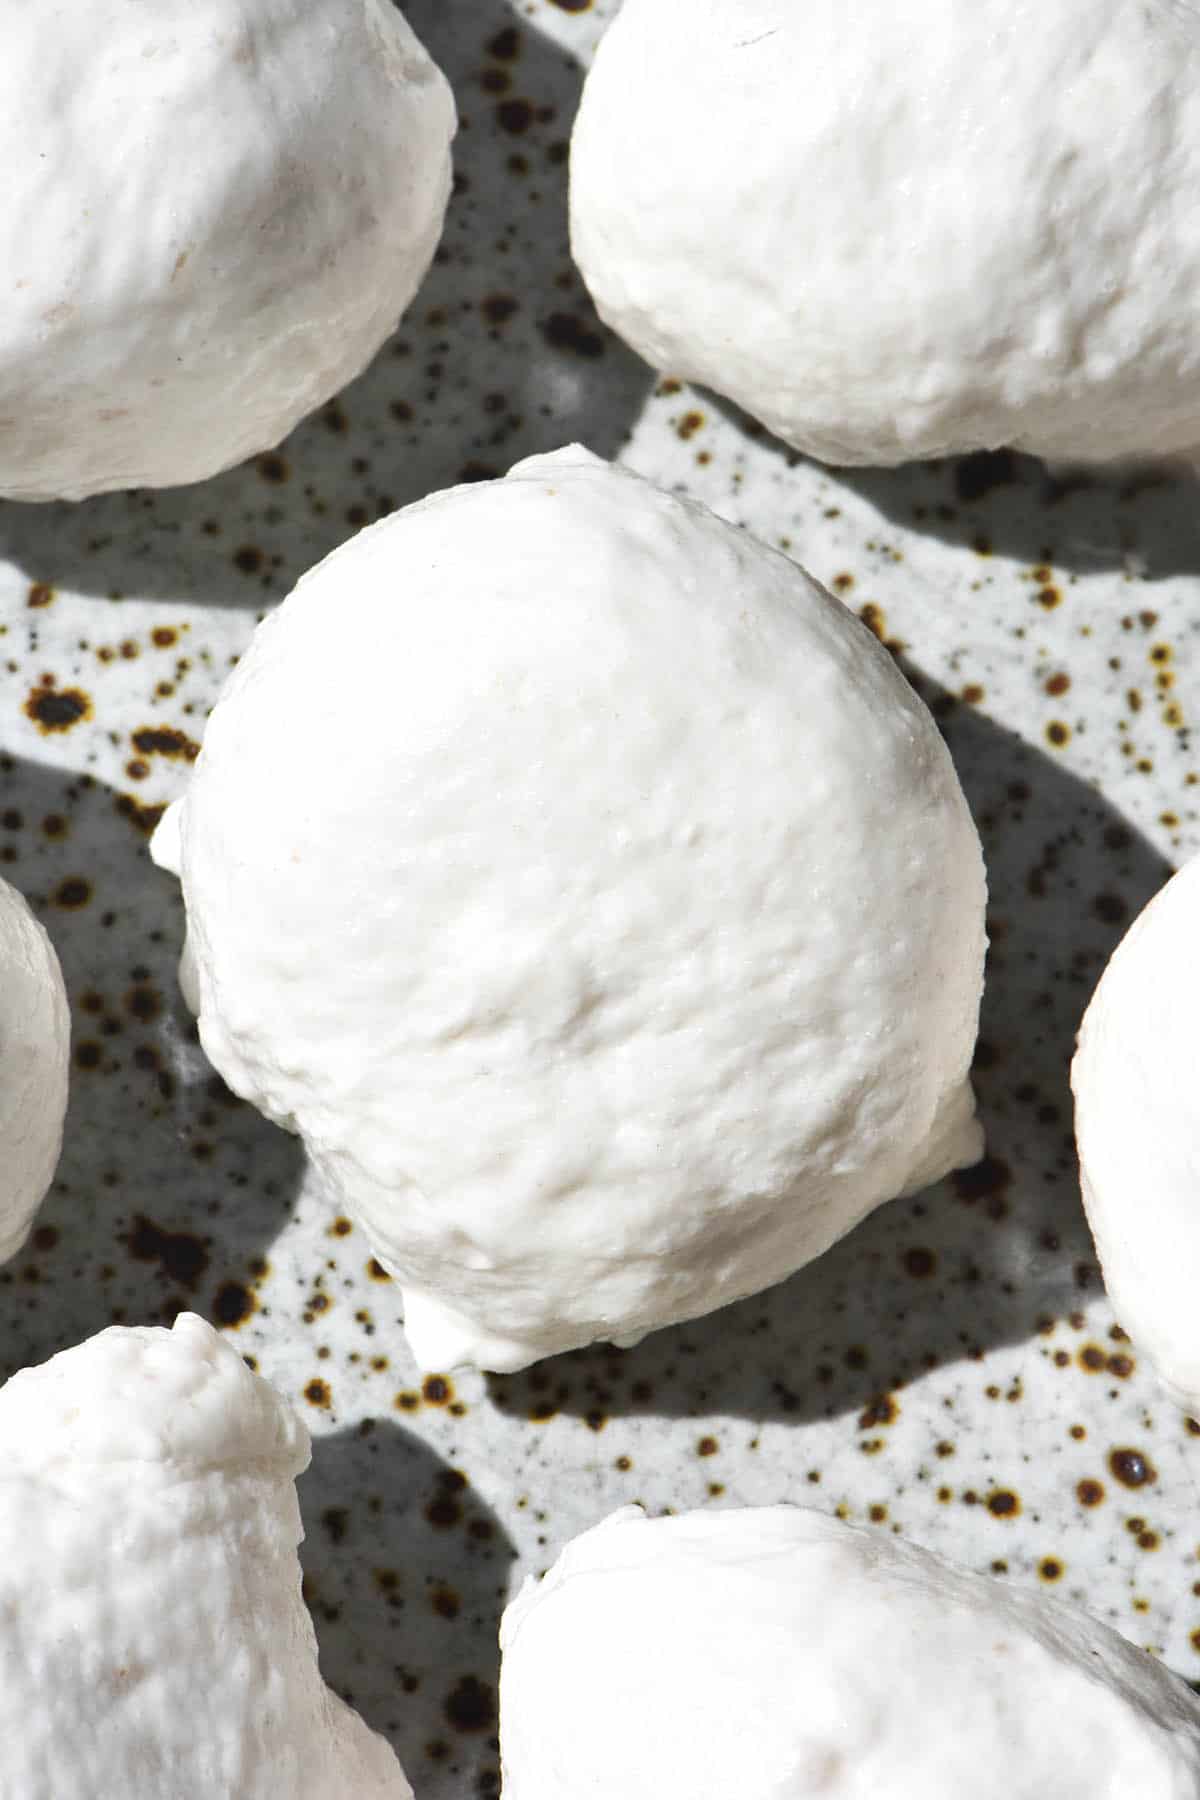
[(595, 897), (1137, 1125), (212, 216), (895, 231), (35, 1044), (155, 1640), (774, 1652)]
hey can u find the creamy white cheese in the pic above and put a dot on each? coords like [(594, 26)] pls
[(590, 890), (35, 1033), (774, 1654), (895, 231), (212, 216), (155, 1641), (1136, 1077)]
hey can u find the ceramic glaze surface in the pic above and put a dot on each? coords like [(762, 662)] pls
[(951, 1373)]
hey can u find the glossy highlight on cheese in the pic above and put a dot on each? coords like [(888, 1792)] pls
[(1137, 1125), (776, 1654)]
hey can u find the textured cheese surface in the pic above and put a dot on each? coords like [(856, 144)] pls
[(155, 1641), (1136, 1077), (35, 1032), (598, 902), (776, 1654), (213, 216), (902, 231)]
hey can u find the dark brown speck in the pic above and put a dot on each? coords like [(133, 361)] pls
[(565, 331), (57, 709), (471, 1705), (181, 1256), (233, 1304), (1131, 1468)]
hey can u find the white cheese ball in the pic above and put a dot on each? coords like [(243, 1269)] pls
[(35, 1044), (155, 1641), (894, 231), (1136, 1077), (595, 897), (775, 1654), (211, 217)]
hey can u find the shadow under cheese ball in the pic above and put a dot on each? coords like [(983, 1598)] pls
[(212, 217), (597, 900), (897, 231)]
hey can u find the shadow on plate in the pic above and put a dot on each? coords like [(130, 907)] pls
[(500, 356), (169, 1197), (981, 1260), (1146, 521), (170, 1191), (406, 1573)]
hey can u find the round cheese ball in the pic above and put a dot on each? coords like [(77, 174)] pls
[(774, 1652), (155, 1637), (35, 1042), (593, 894), (1137, 1125), (212, 216), (896, 231)]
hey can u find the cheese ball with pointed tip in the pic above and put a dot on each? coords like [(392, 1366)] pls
[(1137, 1125), (592, 893), (900, 231), (35, 1043), (212, 217), (776, 1654), (155, 1639)]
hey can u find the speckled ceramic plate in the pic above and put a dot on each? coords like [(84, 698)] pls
[(952, 1371)]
